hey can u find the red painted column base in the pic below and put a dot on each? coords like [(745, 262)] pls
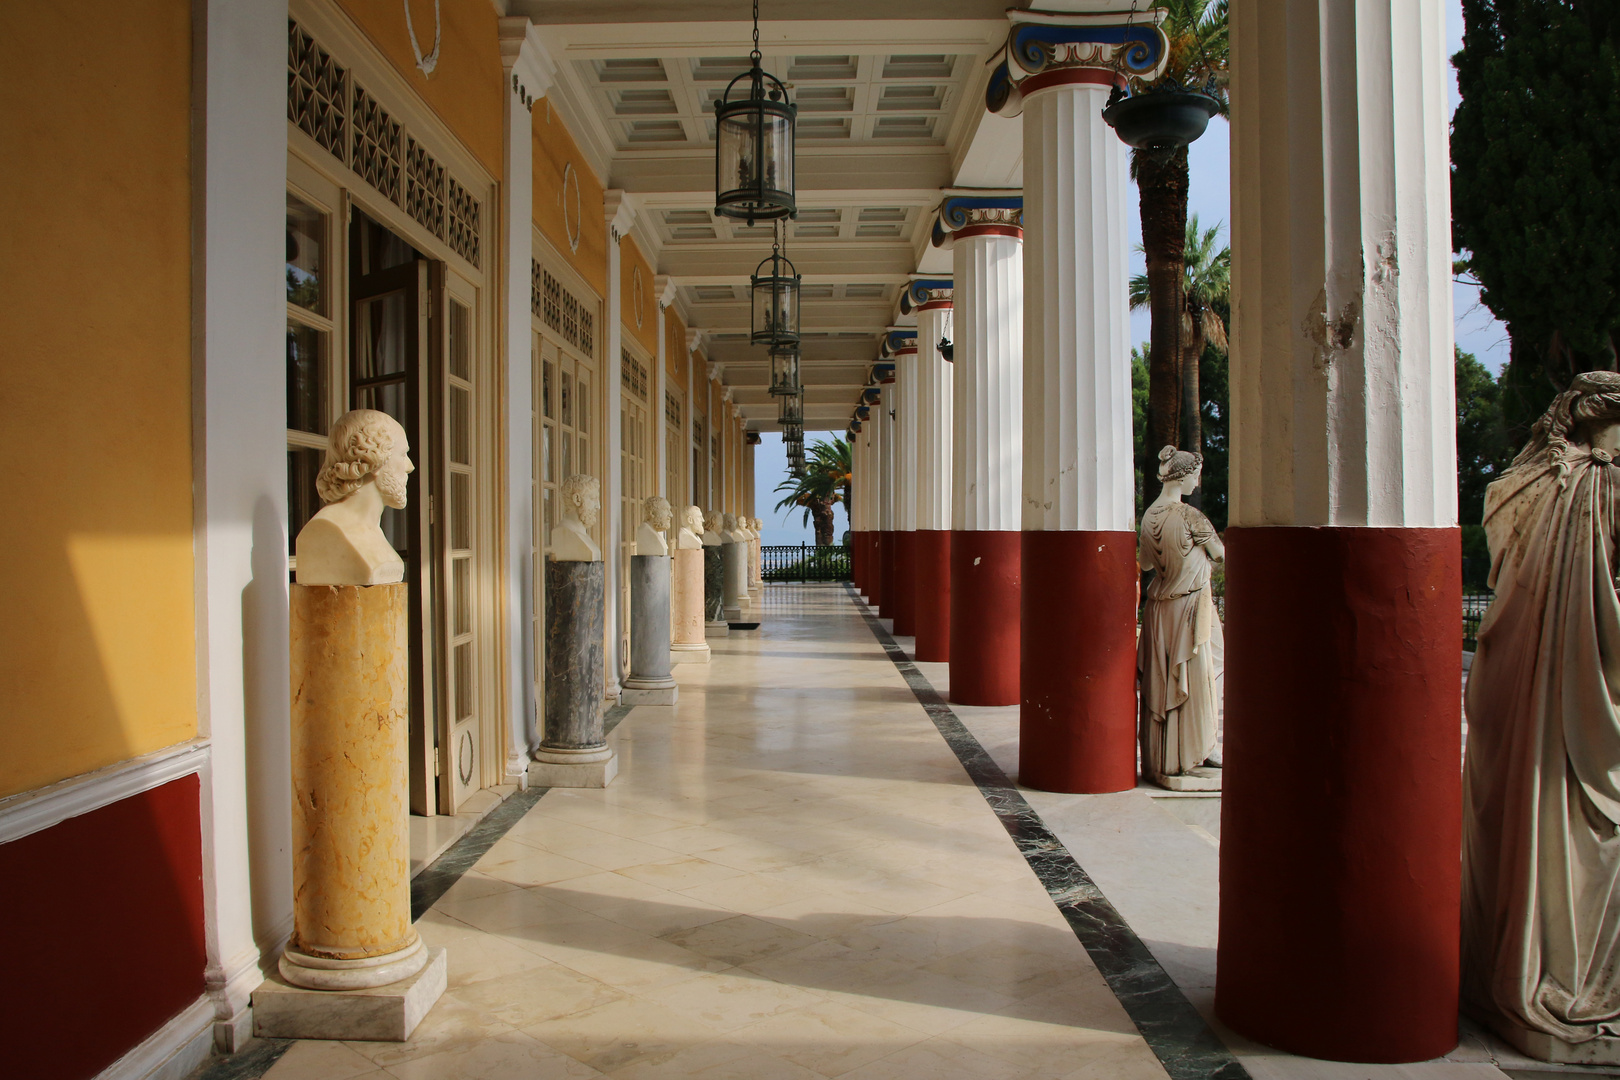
[(905, 582), (932, 591), (1077, 673), (874, 569), (890, 593), (857, 561), (984, 617), (1342, 804)]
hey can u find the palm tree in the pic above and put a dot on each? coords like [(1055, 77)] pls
[(825, 483), (1199, 52), (1206, 280)]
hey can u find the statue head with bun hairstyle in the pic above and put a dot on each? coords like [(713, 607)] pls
[(1178, 464)]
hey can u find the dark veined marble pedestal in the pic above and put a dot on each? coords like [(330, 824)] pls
[(650, 682), (573, 750), (714, 593)]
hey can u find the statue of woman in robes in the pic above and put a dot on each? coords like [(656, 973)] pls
[(1180, 653), (1541, 782)]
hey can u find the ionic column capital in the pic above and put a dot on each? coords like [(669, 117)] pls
[(926, 294), (963, 216), (1046, 49)]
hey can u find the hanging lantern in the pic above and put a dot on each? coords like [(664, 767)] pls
[(776, 300), (785, 370), (790, 410), (753, 146)]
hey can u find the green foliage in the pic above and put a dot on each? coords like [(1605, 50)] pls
[(1214, 389), (1484, 450), (1535, 188), (826, 479), (1199, 46), (1139, 423), (1206, 277)]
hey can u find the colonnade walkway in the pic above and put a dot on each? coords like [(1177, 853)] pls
[(812, 867)]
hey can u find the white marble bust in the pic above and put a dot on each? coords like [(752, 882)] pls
[(367, 462), (691, 533), (728, 529), (712, 524), (745, 528), (571, 539), (656, 517)]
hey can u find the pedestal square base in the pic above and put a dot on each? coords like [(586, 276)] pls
[(584, 774), (382, 1014), (1544, 1047), (716, 629), (1202, 778), (689, 654), (649, 695)]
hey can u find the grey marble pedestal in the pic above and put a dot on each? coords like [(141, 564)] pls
[(714, 587), (573, 751), (650, 682)]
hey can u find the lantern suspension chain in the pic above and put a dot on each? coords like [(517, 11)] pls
[(755, 55)]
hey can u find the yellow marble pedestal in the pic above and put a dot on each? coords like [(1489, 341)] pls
[(350, 833)]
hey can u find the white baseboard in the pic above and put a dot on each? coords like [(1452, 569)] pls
[(35, 811), (173, 1051)]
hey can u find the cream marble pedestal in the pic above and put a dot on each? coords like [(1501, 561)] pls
[(687, 644), (352, 932)]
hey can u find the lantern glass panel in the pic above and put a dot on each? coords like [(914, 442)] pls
[(791, 410), (754, 159), (785, 371), (776, 307)]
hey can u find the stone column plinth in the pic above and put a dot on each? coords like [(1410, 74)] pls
[(714, 592), (650, 682), (686, 602), (352, 927), (573, 750)]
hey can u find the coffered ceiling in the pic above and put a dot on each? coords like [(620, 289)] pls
[(890, 96)]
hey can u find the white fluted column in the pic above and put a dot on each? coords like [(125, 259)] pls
[(987, 450), (931, 542), (887, 586), (620, 215), (1078, 670), (1343, 556), (903, 343)]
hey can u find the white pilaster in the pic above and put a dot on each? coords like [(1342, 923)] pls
[(694, 340), (528, 70), (620, 215), (905, 435), (989, 382), (1342, 383), (1078, 472), (885, 488), (857, 471), (933, 414), (665, 288), (240, 504)]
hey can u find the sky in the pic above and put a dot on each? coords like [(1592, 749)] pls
[(1209, 197)]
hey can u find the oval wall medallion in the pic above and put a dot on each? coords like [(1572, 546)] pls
[(638, 295), (573, 231), (464, 755)]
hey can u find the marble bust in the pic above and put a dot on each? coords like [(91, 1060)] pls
[(655, 523), (1181, 650), (728, 529), (571, 539), (367, 462), (1541, 779), (691, 533), (712, 524)]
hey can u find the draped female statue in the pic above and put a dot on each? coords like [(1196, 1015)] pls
[(1181, 650), (1541, 785)]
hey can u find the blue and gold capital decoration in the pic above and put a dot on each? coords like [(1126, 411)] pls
[(920, 291), (959, 212), (1127, 44)]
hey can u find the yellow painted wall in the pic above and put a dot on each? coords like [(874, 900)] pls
[(554, 151), (97, 653), (631, 263), (467, 83), (675, 350)]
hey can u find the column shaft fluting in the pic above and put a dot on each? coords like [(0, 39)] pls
[(1340, 836), (905, 490), (889, 586), (873, 430), (1078, 671), (987, 477)]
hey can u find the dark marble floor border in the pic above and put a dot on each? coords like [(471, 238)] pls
[(256, 1058), (1174, 1030)]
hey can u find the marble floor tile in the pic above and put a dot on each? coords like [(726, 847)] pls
[(726, 1002), (313, 1060), (830, 1038), (621, 1033), (512, 1056)]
